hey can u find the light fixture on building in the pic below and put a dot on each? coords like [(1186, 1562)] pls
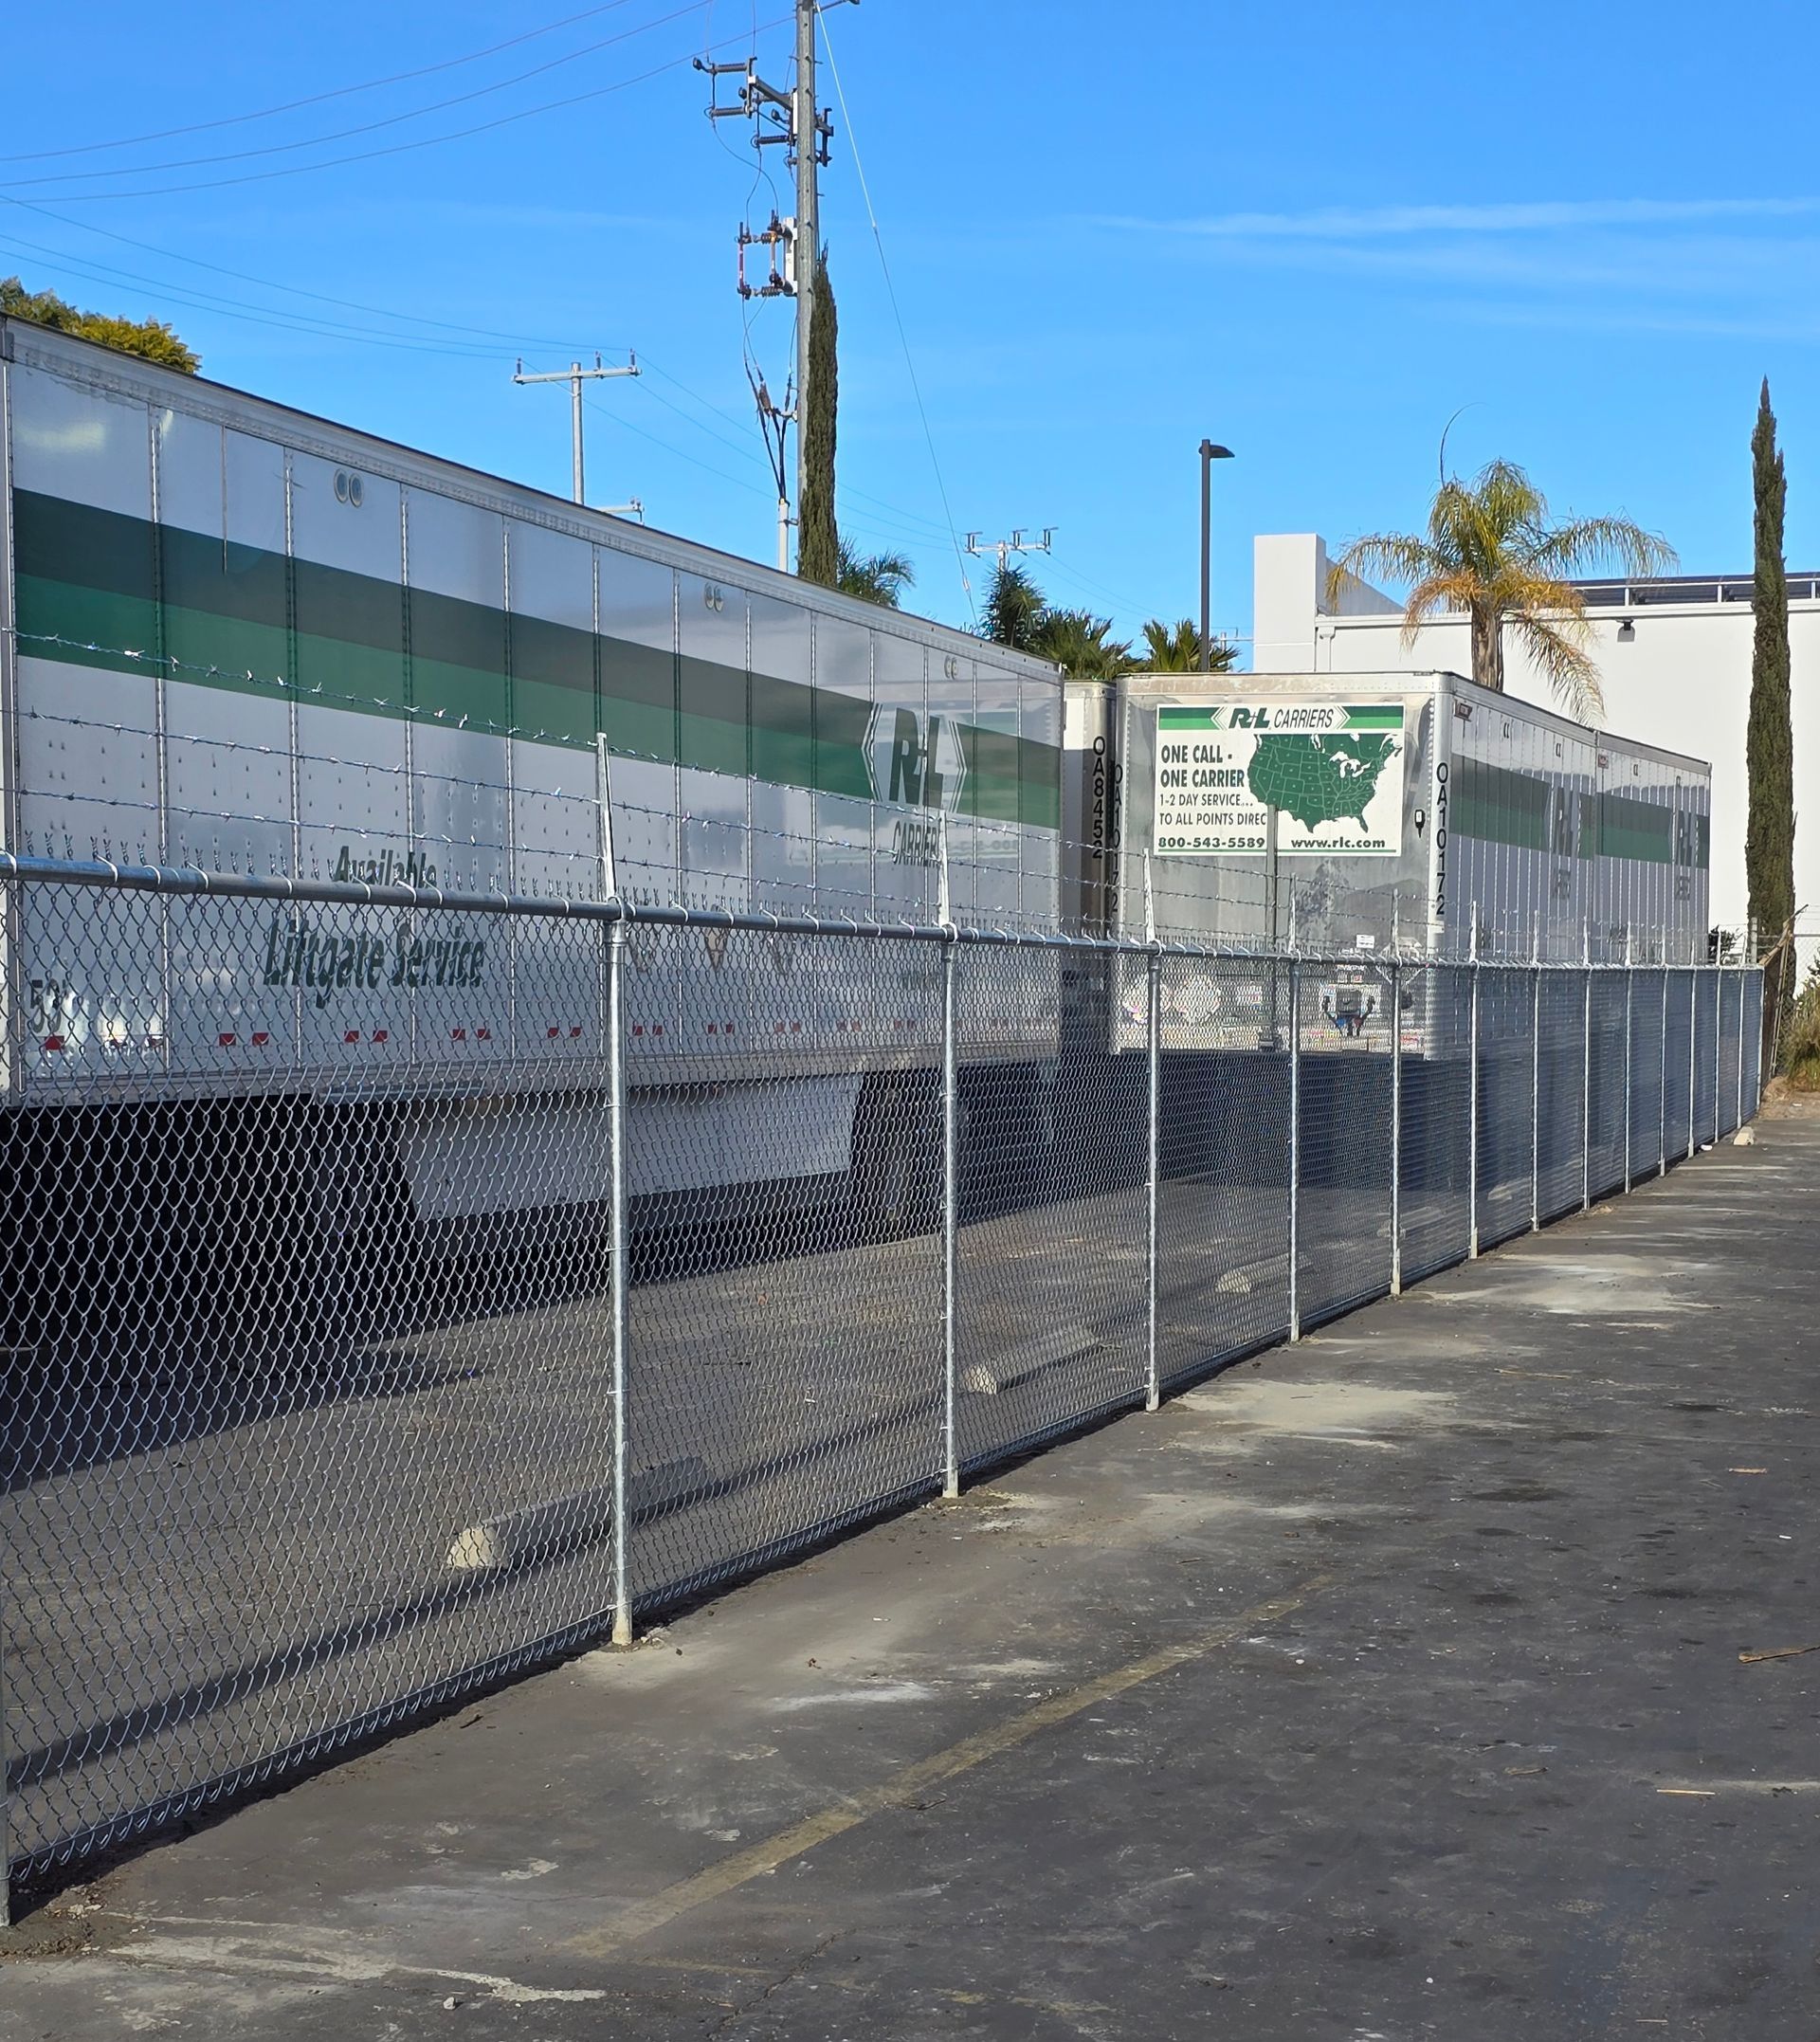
[(1626, 630)]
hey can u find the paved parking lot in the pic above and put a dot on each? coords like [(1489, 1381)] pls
[(1385, 1687)]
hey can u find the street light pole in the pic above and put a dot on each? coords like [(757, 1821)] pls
[(1210, 454)]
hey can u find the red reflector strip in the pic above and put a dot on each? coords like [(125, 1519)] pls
[(575, 1033), (54, 1043), (482, 1034), (352, 1035), (795, 1028), (260, 1037), (458, 1034), (225, 1041), (550, 1034), (638, 1028), (712, 1030), (380, 1034)]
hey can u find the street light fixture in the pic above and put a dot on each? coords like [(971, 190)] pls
[(1210, 454)]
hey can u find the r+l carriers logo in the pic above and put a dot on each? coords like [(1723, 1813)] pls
[(914, 760)]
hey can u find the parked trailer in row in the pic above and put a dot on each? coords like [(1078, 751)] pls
[(1371, 825), (245, 640), (1367, 816)]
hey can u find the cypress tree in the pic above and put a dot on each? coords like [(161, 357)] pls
[(1769, 747), (818, 545)]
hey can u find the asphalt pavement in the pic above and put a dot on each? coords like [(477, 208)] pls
[(1403, 1683)]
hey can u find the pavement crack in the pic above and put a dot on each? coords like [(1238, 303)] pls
[(791, 1975)]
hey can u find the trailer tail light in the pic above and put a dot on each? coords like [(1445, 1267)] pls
[(54, 1043), (226, 1039)]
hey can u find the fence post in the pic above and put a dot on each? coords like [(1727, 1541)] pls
[(1153, 1041), (1295, 1147), (1536, 1087), (621, 1278), (949, 1212), (1662, 1084), (1397, 1130), (1719, 1030), (9, 906), (1472, 1089), (1629, 997), (1586, 1067), (1775, 1025), (1693, 1052), (6, 1759), (1740, 1050)]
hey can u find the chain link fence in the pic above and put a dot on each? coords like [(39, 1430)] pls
[(401, 1290)]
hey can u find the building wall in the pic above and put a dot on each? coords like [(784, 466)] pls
[(1683, 681)]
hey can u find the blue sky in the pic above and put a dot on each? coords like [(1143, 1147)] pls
[(1311, 232)]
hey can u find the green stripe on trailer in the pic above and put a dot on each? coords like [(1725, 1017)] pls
[(1633, 829), (1374, 716), (99, 589), (1498, 806)]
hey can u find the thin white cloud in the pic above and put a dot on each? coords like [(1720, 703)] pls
[(1344, 223)]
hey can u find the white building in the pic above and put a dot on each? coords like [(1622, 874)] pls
[(1674, 659)]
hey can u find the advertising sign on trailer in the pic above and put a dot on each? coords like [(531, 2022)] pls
[(1332, 770)]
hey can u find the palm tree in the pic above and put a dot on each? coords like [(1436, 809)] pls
[(874, 577), (1081, 644), (1014, 606), (1175, 648), (1490, 550), (1019, 616)]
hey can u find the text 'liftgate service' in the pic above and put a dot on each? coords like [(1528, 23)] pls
[(1333, 773)]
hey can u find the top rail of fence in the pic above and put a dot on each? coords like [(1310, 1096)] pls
[(190, 881)]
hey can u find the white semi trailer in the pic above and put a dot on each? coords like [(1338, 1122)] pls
[(245, 640), (238, 639)]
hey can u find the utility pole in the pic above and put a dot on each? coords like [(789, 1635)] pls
[(1004, 547), (575, 375), (805, 130), (811, 152)]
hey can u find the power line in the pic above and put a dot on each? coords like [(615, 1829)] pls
[(271, 283), (1124, 602), (708, 467), (227, 308), (367, 127), (394, 149), (900, 523), (903, 338), (912, 523), (315, 98)]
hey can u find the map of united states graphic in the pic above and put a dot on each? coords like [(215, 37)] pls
[(1320, 779)]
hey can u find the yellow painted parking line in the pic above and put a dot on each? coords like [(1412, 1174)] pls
[(905, 1786)]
